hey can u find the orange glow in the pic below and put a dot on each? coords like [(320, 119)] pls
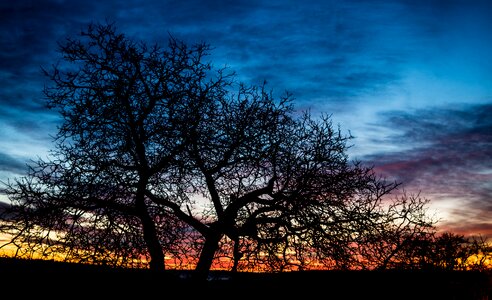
[(224, 260), (225, 263)]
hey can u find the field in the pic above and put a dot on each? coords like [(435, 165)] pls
[(31, 279)]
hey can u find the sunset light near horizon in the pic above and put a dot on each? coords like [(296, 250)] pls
[(410, 80)]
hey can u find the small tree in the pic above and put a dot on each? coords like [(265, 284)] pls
[(159, 153), (449, 251)]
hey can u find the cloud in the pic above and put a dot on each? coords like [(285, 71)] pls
[(9, 163), (458, 138), (3, 206), (4, 216), (451, 159), (324, 52)]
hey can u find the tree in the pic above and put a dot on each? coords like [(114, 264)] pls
[(125, 107), (159, 153), (449, 251)]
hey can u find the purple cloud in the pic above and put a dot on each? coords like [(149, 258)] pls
[(451, 160)]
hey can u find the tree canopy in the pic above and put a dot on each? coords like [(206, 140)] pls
[(162, 158)]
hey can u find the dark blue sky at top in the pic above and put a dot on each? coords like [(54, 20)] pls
[(411, 80)]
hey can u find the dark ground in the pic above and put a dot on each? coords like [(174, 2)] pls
[(33, 279)]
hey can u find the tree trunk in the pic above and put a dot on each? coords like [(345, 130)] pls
[(237, 255), (207, 256), (153, 244), (150, 235)]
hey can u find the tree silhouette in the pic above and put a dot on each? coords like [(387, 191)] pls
[(125, 109), (160, 153), (449, 251)]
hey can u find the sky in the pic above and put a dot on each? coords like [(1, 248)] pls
[(410, 80)]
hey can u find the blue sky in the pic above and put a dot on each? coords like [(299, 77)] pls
[(411, 80)]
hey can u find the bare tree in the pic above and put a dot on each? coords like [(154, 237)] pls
[(125, 108), (281, 188), (160, 153)]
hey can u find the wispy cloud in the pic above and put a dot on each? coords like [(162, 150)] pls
[(9, 163), (451, 159)]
